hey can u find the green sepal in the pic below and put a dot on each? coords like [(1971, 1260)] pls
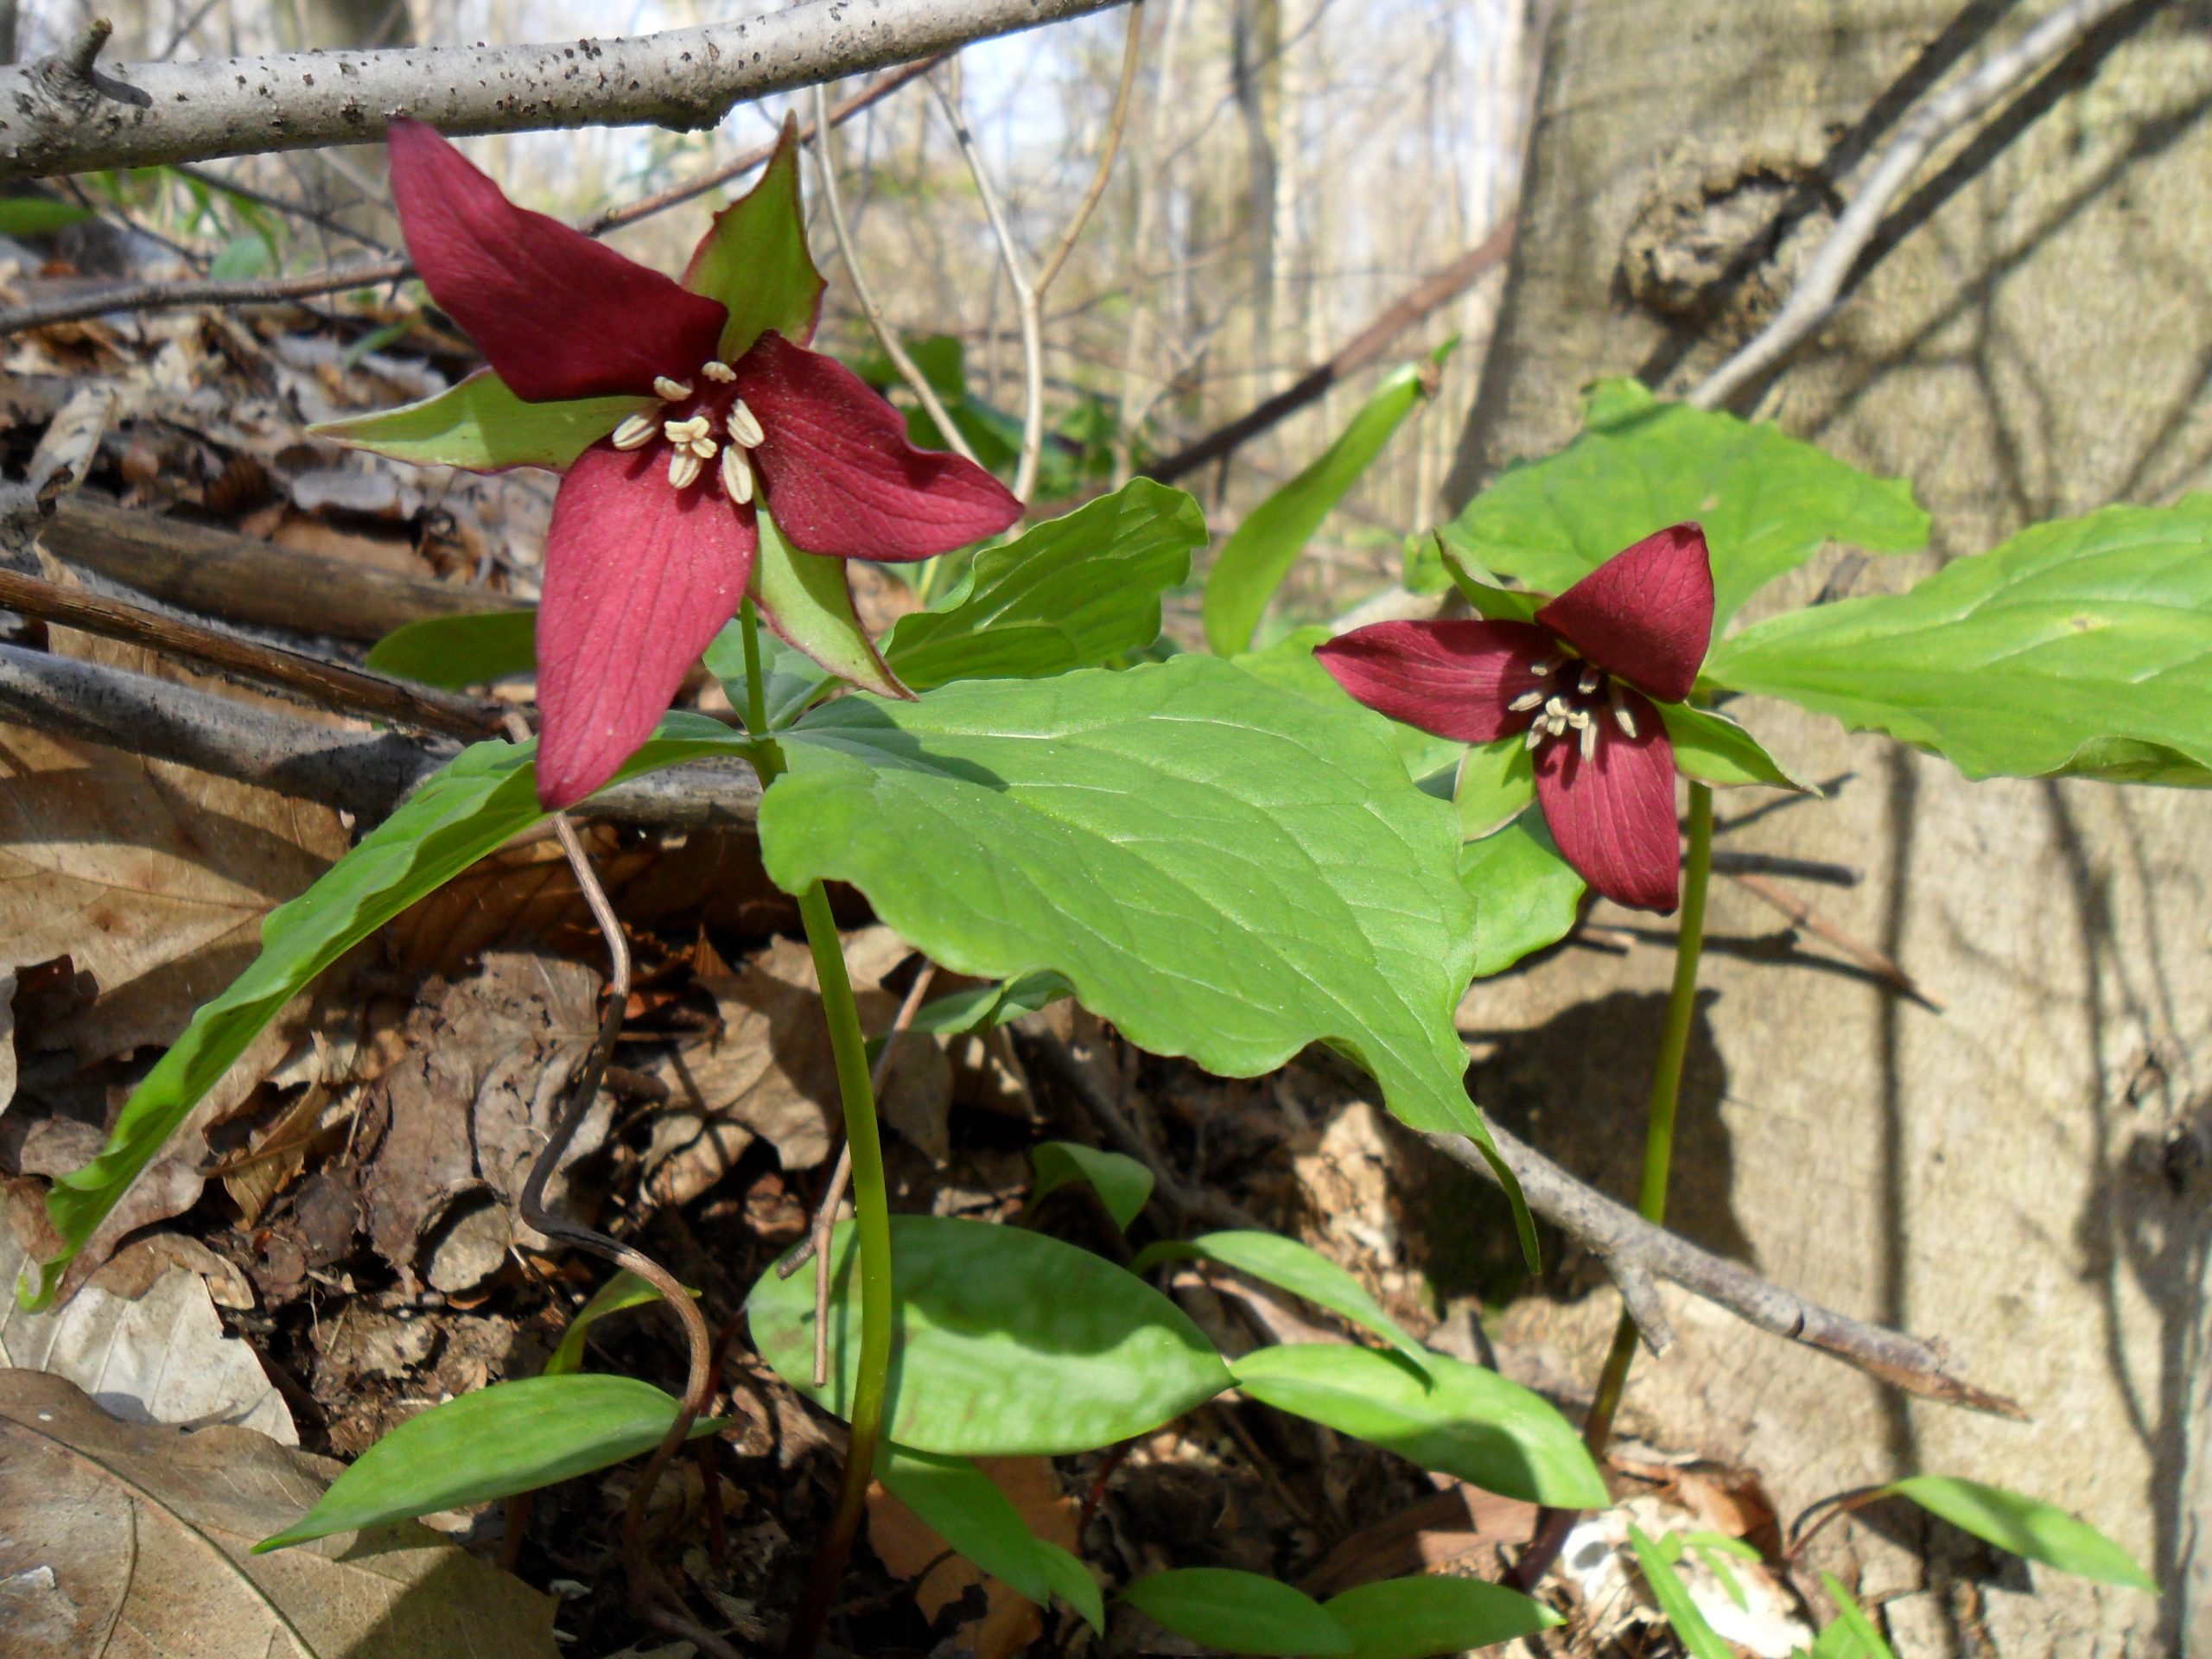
[(482, 426), (808, 601), (1491, 602), (1713, 749), (1493, 785), (753, 257)]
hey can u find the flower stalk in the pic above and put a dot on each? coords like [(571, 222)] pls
[(871, 1195)]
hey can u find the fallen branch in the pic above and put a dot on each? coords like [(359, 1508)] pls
[(1434, 291), (98, 300), (1622, 1238), (64, 115)]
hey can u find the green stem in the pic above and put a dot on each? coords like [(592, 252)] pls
[(871, 1199), (1665, 1094)]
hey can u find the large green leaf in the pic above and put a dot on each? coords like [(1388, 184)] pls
[(2081, 646), (1072, 1583), (1767, 501), (1241, 1612), (1290, 664), (1442, 1413), (2026, 1526), (1072, 592), (510, 1438), (1223, 870), (1008, 1341), (476, 801), (1417, 1617), (39, 215), (1526, 895), (753, 257), (458, 650), (1254, 559), (1296, 1268), (963, 1506), (482, 426)]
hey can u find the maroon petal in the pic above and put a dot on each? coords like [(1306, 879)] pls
[(1645, 614), (839, 474), (555, 314), (1613, 816), (638, 577), (1451, 678)]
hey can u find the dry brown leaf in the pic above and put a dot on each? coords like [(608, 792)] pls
[(907, 1545), (6, 1037), (125, 1539), (158, 1356), (72, 439), (468, 1108), (154, 878), (1461, 1528)]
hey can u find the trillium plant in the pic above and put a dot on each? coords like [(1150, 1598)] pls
[(1226, 857)]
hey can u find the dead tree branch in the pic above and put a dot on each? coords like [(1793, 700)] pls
[(63, 115), (1622, 1238)]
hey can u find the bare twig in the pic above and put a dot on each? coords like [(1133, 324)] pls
[(1024, 284), (825, 166), (1823, 283), (1434, 291), (334, 685), (97, 300), (1621, 1237), (1803, 915), (1132, 49), (64, 116)]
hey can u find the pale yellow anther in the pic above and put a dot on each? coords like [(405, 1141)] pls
[(737, 475), (1627, 720), (745, 425), (1536, 735), (683, 468), (635, 433), (1589, 739), (1526, 701), (719, 371), (669, 391), (704, 448), (686, 431)]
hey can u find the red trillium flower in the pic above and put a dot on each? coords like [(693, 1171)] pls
[(654, 530), (1579, 682)]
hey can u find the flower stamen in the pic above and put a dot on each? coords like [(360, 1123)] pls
[(1623, 716), (718, 372), (635, 433), (1544, 667), (683, 467), (1526, 701), (737, 475), (745, 426), (1588, 682), (669, 391)]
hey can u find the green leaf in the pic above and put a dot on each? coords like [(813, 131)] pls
[(1070, 593), (2026, 1526), (1767, 502), (2082, 646), (1698, 1637), (1852, 1635), (1492, 785), (1008, 1342), (508, 1438), (1290, 662), (982, 1007), (242, 258), (808, 600), (964, 1507), (471, 804), (1222, 870), (618, 1294), (1241, 1612), (1254, 561), (1482, 593), (794, 679), (1526, 895), (482, 426), (39, 215), (1072, 1583), (1714, 748), (753, 257), (460, 651), (1293, 1267), (1421, 1617), (1441, 1414), (1122, 1183)]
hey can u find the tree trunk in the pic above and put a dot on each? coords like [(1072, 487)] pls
[(2027, 1173)]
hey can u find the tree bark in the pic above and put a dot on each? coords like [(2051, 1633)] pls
[(2028, 1173)]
